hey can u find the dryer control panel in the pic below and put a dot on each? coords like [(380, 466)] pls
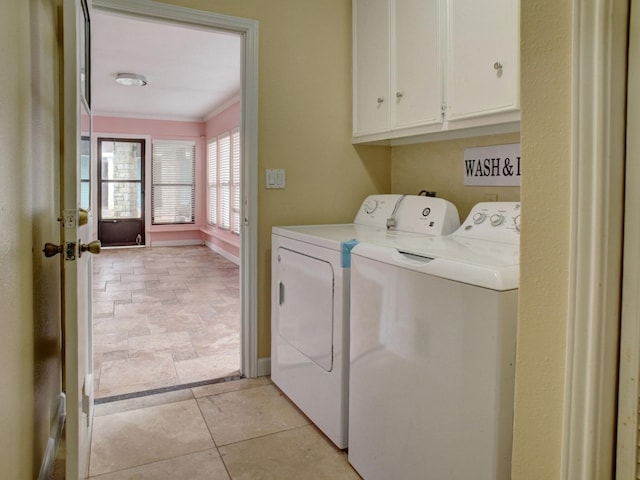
[(376, 209), (495, 221)]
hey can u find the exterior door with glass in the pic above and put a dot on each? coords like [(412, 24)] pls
[(121, 192)]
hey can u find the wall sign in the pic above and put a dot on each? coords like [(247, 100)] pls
[(498, 165)]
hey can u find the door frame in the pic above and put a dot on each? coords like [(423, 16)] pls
[(596, 227), (248, 29), (629, 386)]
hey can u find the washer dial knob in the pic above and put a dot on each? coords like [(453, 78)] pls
[(496, 219), (479, 217), (516, 222)]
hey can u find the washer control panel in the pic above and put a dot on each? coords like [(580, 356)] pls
[(495, 221)]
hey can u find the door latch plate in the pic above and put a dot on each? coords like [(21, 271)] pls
[(70, 251)]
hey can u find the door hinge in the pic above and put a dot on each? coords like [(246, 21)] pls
[(443, 108)]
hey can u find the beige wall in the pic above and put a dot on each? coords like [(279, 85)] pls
[(29, 283), (16, 346), (439, 167), (542, 328), (304, 123)]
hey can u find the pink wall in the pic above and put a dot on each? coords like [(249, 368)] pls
[(225, 121), (199, 132), (154, 128)]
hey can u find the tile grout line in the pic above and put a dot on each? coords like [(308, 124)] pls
[(215, 444)]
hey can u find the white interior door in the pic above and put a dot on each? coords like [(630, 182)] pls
[(76, 234)]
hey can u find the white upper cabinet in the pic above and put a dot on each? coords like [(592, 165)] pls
[(371, 66), (432, 69), (482, 58), (416, 69), (397, 68)]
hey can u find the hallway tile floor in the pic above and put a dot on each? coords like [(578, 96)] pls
[(163, 316), (237, 430)]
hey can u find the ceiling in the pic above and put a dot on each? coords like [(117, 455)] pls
[(191, 72)]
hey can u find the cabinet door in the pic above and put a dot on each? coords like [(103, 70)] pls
[(416, 73), (371, 66), (483, 57)]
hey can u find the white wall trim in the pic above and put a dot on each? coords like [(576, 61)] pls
[(55, 434), (248, 29), (175, 243), (599, 71), (223, 253)]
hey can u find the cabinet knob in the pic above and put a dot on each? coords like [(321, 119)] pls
[(497, 66), (380, 100), (399, 94)]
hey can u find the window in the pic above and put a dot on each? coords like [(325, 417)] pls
[(173, 189), (85, 172), (223, 181)]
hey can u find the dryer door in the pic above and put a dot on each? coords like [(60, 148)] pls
[(305, 305)]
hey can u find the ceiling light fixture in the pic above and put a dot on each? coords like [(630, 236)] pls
[(131, 79)]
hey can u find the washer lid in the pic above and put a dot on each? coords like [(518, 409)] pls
[(492, 265)]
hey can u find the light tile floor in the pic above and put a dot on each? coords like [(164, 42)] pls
[(163, 316), (237, 430)]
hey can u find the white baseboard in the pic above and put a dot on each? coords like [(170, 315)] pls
[(223, 253), (175, 243), (48, 461), (264, 366)]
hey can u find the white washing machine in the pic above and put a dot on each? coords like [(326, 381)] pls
[(310, 299), (433, 340)]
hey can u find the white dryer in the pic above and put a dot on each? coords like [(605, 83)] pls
[(433, 340), (310, 299)]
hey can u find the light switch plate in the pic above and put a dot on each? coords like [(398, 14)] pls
[(275, 178)]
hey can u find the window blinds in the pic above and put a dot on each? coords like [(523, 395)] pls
[(212, 181), (224, 166), (223, 178), (173, 182), (235, 183)]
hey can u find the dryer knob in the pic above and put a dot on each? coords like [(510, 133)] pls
[(370, 207), (496, 219), (516, 221)]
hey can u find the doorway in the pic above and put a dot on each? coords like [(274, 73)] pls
[(247, 270), (121, 192)]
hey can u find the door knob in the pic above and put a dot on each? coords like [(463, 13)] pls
[(51, 249), (67, 249), (83, 217), (92, 247)]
